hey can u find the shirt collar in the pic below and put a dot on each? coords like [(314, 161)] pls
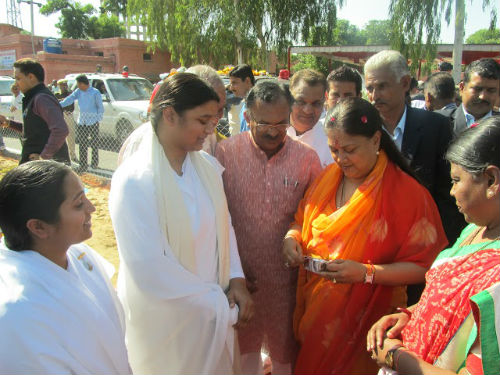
[(450, 106), (261, 153), (470, 119), (400, 128)]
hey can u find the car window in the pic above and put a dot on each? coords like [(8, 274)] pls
[(5, 87), (130, 89), (99, 85)]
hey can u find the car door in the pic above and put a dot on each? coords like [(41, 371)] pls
[(106, 125)]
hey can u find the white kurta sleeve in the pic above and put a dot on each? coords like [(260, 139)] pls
[(176, 323)]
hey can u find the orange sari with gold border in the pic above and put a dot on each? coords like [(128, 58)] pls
[(390, 218)]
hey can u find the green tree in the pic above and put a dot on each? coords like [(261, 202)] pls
[(416, 27), (484, 36), (105, 26), (78, 21), (74, 20), (203, 30), (377, 32)]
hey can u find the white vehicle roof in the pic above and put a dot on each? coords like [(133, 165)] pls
[(101, 75)]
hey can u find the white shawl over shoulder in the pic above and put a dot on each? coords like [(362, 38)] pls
[(176, 322)]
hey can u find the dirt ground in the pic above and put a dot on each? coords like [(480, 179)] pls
[(103, 238)]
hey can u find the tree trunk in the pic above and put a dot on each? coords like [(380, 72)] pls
[(459, 39), (239, 49)]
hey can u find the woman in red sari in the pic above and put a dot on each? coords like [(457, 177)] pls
[(377, 229), (455, 325)]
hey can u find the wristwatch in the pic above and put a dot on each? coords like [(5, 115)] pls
[(389, 357)]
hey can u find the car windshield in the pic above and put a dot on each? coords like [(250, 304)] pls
[(5, 87), (130, 89)]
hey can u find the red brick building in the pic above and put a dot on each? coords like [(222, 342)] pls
[(82, 55)]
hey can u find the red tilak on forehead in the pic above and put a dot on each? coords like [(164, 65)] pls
[(336, 143)]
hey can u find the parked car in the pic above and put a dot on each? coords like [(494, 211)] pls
[(125, 101), (5, 95)]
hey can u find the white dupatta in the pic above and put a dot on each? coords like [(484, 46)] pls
[(177, 323), (173, 215), (57, 321)]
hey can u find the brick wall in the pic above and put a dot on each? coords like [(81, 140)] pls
[(81, 56)]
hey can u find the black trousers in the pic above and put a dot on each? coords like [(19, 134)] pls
[(88, 136)]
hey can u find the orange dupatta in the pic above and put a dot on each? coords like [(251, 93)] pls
[(331, 320)]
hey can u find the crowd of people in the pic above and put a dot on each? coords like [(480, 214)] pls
[(327, 234)]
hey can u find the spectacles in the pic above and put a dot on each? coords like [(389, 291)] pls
[(264, 127), (316, 105)]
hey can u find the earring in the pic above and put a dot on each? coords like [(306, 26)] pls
[(378, 153), (490, 194)]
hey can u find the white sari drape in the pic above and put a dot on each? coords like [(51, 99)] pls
[(57, 321), (177, 322)]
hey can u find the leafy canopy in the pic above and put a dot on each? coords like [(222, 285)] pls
[(78, 21)]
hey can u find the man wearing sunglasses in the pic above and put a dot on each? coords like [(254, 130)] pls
[(266, 175), (308, 89)]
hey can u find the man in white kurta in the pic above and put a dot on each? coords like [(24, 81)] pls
[(308, 88), (315, 138), (59, 321), (178, 319)]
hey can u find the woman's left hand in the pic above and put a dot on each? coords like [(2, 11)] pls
[(379, 354), (344, 271), (238, 295)]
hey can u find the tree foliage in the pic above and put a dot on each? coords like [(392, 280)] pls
[(485, 36), (375, 32), (78, 21), (416, 25), (205, 30)]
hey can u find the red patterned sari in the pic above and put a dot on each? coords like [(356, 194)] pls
[(390, 218), (457, 275)]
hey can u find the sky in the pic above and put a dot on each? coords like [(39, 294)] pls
[(357, 12)]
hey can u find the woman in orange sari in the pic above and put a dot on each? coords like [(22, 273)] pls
[(376, 230)]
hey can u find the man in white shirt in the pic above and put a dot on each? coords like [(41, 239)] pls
[(308, 89), (16, 104)]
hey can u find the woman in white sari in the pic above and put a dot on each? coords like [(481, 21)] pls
[(180, 276), (59, 314)]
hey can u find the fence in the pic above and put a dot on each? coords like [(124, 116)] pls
[(100, 144)]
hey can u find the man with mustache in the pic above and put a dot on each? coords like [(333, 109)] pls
[(262, 198), (479, 91), (308, 88), (422, 136)]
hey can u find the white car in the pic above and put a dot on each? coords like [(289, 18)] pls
[(125, 101), (6, 95)]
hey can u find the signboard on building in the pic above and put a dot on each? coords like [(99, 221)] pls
[(7, 59)]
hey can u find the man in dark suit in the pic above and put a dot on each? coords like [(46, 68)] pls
[(422, 136), (479, 91)]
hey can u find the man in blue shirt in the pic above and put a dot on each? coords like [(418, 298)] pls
[(242, 80), (91, 112)]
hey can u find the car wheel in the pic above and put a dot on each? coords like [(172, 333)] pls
[(123, 130)]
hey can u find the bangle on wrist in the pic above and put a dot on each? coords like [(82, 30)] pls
[(404, 310), (370, 273)]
